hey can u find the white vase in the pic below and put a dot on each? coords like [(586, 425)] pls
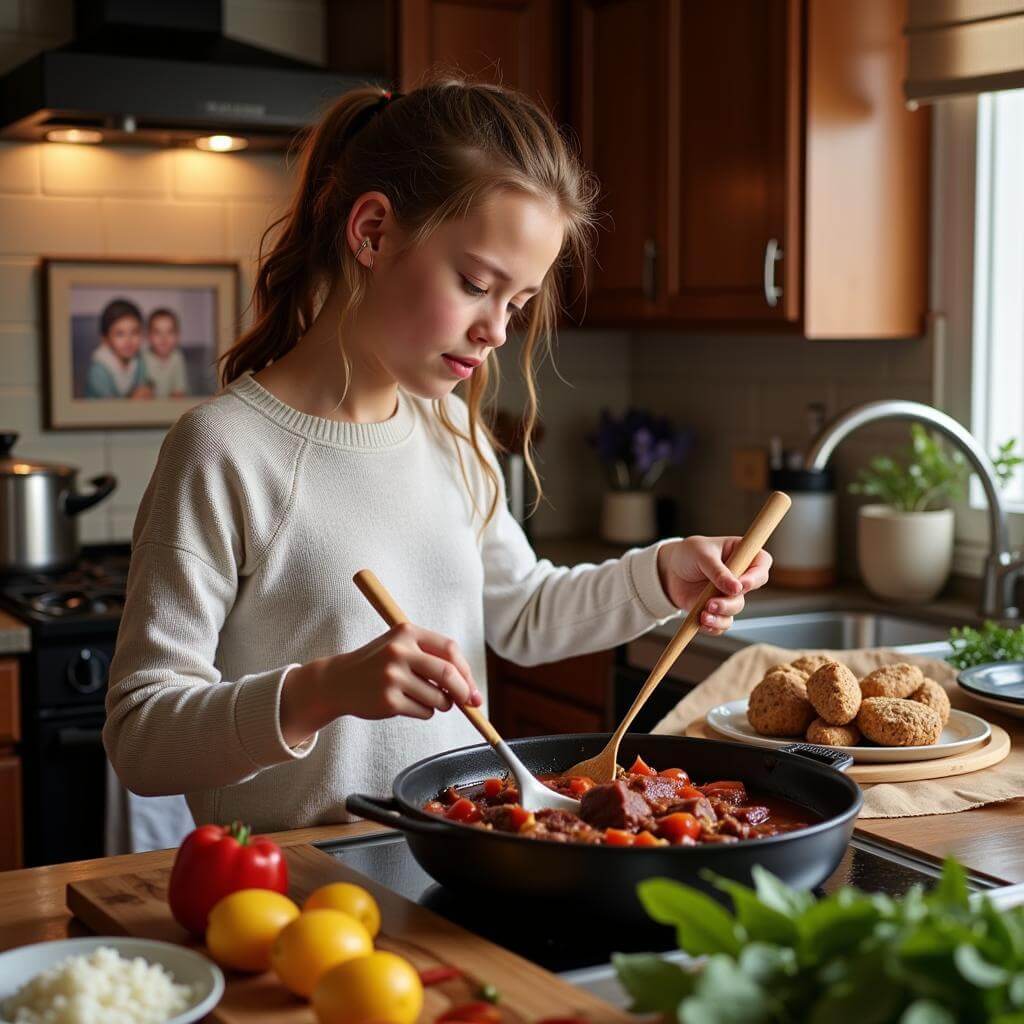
[(904, 556), (628, 517)]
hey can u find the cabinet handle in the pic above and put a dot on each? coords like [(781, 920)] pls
[(772, 255), (650, 262)]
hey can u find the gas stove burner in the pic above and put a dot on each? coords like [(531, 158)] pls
[(76, 603)]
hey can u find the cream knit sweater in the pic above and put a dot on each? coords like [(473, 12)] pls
[(255, 520)]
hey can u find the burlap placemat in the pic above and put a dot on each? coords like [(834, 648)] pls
[(743, 671)]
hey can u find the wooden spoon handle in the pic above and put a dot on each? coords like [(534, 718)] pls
[(738, 562), (384, 604)]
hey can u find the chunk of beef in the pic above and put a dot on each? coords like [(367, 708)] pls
[(700, 807), (730, 826), (503, 817), (657, 790), (751, 815), (553, 824), (615, 805), (735, 796)]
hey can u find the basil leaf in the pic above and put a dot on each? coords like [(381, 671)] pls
[(761, 922), (833, 926), (654, 984), (924, 1011), (702, 925), (725, 995), (1017, 989), (973, 967), (775, 894), (951, 893)]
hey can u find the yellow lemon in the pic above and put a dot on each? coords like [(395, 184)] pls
[(243, 926), (378, 987), (350, 899), (314, 941)]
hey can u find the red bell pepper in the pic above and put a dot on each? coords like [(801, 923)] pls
[(216, 860)]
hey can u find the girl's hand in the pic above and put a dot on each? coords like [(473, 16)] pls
[(687, 566), (406, 671)]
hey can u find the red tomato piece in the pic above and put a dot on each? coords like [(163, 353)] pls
[(676, 773), (463, 810), (723, 787), (471, 1013), (579, 784), (674, 827), (618, 837), (641, 768), (519, 817), (492, 787), (690, 793), (435, 975)]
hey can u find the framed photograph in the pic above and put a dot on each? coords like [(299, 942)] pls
[(133, 343)]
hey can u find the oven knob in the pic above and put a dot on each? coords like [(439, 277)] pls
[(87, 671)]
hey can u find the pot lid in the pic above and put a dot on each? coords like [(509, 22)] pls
[(12, 465)]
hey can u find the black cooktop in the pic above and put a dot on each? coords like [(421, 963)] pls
[(571, 941), (87, 598)]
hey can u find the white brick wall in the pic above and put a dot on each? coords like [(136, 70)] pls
[(121, 201)]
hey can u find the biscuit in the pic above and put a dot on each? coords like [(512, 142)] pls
[(835, 693), (932, 695), (779, 706), (810, 663), (782, 667), (898, 680), (893, 722), (832, 735)]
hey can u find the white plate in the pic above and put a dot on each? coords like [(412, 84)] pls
[(188, 967), (962, 732)]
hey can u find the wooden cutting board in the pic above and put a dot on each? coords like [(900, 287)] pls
[(992, 751), (135, 904)]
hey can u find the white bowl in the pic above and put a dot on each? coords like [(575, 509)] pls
[(17, 966)]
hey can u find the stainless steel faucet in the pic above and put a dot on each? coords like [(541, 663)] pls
[(1003, 567)]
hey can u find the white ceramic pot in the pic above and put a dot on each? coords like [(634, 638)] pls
[(904, 556), (628, 517)]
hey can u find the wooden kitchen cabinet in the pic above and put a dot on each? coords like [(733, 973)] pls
[(10, 768), (519, 43), (758, 162), (573, 695)]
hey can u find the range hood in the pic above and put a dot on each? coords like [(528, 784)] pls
[(162, 72)]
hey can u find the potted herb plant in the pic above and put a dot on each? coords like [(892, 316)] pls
[(905, 542), (635, 450)]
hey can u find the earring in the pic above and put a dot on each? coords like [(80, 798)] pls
[(362, 245)]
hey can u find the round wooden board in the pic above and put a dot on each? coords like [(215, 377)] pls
[(991, 752)]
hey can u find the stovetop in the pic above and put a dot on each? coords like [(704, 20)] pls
[(569, 942), (87, 598)]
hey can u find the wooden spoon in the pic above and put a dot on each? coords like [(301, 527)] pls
[(533, 794), (602, 768)]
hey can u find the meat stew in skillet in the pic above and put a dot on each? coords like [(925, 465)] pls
[(643, 807)]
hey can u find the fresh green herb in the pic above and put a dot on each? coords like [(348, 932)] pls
[(990, 643), (489, 993), (849, 958), (932, 474)]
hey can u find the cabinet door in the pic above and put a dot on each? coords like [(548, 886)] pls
[(519, 712), (517, 43), (619, 104), (10, 813), (732, 160)]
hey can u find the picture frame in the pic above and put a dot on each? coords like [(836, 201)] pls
[(133, 343)]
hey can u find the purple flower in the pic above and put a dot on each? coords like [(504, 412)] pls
[(637, 448)]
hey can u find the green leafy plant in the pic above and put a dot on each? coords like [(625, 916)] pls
[(990, 643), (931, 474), (849, 958)]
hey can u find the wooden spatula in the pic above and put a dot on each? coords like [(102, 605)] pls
[(533, 794), (602, 768)]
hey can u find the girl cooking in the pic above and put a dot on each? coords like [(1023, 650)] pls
[(250, 673)]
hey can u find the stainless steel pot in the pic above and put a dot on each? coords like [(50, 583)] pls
[(39, 509)]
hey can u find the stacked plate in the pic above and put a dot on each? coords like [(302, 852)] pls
[(999, 684)]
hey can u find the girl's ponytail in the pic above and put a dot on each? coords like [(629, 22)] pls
[(308, 251)]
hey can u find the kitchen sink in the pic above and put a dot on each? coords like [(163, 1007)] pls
[(841, 630)]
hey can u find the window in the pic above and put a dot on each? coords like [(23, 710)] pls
[(997, 377)]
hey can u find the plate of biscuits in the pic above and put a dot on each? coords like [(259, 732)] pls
[(894, 713)]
